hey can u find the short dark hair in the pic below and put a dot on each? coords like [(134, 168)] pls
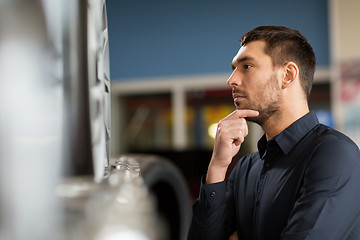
[(284, 45)]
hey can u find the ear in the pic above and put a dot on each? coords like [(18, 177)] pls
[(290, 74)]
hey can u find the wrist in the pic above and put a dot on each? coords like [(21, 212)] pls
[(215, 173)]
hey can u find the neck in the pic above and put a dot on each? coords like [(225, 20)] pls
[(279, 122)]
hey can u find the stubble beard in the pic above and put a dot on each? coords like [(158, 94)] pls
[(268, 104)]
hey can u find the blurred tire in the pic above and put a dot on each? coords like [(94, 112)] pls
[(167, 183)]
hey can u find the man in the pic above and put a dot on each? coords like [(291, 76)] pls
[(304, 181)]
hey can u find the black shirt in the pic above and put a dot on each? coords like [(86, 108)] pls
[(302, 184)]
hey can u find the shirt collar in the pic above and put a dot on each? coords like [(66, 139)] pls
[(288, 138)]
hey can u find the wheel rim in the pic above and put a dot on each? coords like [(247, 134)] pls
[(99, 85)]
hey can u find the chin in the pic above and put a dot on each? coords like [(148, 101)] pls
[(254, 120), (238, 107)]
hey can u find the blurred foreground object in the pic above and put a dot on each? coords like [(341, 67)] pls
[(120, 207), (141, 197), (31, 124), (56, 178)]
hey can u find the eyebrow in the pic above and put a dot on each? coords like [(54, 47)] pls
[(240, 60)]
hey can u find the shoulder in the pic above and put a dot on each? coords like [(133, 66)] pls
[(332, 143), (333, 154)]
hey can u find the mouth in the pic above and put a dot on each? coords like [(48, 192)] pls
[(237, 96)]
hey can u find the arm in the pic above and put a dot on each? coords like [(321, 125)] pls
[(214, 214), (230, 134), (328, 205), (214, 205)]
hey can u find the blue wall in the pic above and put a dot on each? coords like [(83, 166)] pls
[(151, 38)]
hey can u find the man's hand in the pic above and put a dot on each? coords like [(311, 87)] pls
[(230, 134), (234, 236)]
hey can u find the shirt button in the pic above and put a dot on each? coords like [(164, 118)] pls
[(212, 194), (257, 203), (267, 164)]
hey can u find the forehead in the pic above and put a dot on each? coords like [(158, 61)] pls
[(253, 50)]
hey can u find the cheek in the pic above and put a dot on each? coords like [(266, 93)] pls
[(265, 88), (260, 83), (262, 78)]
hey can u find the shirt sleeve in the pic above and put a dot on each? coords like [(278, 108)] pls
[(328, 205), (211, 212)]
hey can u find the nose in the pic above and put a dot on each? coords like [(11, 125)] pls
[(234, 79)]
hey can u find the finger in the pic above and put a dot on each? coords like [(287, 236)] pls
[(239, 140), (232, 124), (234, 236), (245, 130), (233, 127), (242, 113)]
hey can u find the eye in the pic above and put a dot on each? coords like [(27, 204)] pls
[(246, 66)]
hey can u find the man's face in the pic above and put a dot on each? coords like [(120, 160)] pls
[(255, 81)]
